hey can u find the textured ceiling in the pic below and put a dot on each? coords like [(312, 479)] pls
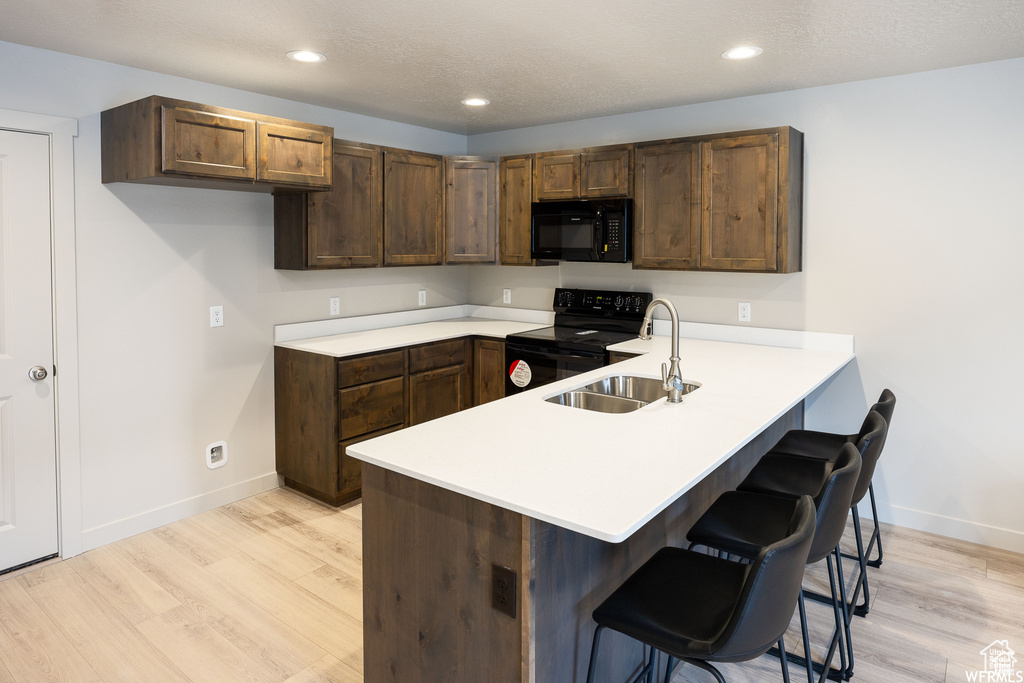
[(537, 61)]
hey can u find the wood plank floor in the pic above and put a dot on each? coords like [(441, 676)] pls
[(270, 589)]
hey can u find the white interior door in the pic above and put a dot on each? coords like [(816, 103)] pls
[(28, 462)]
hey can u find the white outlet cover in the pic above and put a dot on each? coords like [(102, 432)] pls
[(506, 296), (744, 312), (335, 305), (423, 297), (216, 454), (216, 316)]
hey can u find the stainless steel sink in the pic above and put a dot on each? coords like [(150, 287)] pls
[(646, 389), (600, 403), (617, 394)]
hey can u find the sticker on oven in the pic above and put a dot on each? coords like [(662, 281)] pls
[(520, 374)]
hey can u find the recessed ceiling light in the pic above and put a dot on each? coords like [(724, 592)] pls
[(742, 52), (475, 102), (306, 56)]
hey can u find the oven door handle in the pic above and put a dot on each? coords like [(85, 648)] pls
[(514, 349)]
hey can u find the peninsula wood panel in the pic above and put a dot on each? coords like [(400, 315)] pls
[(427, 555), (471, 209), (667, 223), (515, 198), (740, 203), (418, 625), (338, 228), (413, 209)]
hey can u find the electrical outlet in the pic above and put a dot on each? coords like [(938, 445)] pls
[(744, 312), (216, 316), (506, 296), (216, 454), (423, 297), (335, 305), (503, 596)]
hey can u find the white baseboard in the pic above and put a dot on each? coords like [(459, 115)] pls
[(984, 534), (152, 519)]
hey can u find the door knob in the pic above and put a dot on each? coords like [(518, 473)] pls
[(37, 373)]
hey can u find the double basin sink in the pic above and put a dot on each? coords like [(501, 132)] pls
[(617, 394)]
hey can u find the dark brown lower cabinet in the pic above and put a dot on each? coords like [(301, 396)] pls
[(436, 393), (488, 370)]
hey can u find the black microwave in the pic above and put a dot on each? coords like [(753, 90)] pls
[(587, 230)]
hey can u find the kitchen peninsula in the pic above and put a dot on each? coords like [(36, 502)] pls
[(569, 499)]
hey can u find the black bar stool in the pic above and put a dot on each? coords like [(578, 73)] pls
[(704, 609), (825, 445), (742, 523)]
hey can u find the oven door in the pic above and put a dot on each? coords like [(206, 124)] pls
[(533, 366)]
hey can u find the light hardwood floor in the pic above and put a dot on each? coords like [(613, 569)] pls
[(270, 589)]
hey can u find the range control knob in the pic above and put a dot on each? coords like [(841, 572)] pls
[(619, 301), (565, 299)]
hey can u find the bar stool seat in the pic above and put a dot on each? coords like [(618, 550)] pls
[(787, 475)]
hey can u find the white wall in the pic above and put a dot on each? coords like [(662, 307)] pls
[(913, 237), (157, 384)]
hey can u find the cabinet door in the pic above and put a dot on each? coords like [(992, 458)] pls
[(516, 198), (413, 228), (740, 198), (436, 393), (295, 154), (556, 175), (471, 210), (667, 207), (488, 371), (344, 223), (605, 173), (204, 143)]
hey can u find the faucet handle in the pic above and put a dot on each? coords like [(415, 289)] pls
[(664, 376)]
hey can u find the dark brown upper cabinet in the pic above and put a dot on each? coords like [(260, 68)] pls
[(514, 220), (471, 209), (413, 209), (582, 174), (730, 202), (172, 142), (666, 219), (340, 228)]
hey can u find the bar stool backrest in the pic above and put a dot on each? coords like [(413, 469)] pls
[(886, 404), (834, 503), (870, 447), (769, 595)]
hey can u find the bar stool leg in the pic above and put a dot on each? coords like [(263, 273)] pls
[(876, 535), (593, 653), (846, 612), (862, 609)]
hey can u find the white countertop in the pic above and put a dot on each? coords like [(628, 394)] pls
[(598, 474), (368, 341)]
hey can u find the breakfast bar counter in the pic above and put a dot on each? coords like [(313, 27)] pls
[(571, 500)]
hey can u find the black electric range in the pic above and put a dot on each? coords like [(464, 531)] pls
[(587, 322)]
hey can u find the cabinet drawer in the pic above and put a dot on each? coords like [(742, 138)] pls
[(353, 371), (373, 406), (439, 355), (350, 469)]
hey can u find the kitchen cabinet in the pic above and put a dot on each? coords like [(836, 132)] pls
[(516, 197), (438, 380), (583, 174), (413, 207), (488, 370), (322, 405), (730, 202), (339, 228), (471, 209), (172, 142)]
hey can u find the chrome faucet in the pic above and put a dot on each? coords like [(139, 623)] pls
[(671, 379)]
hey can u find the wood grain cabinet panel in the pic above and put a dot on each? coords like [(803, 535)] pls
[(556, 175), (373, 368), (471, 209), (437, 355), (339, 228), (436, 393), (172, 142), (667, 210), (729, 202), (413, 206), (369, 407), (515, 199), (488, 370), (606, 172)]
